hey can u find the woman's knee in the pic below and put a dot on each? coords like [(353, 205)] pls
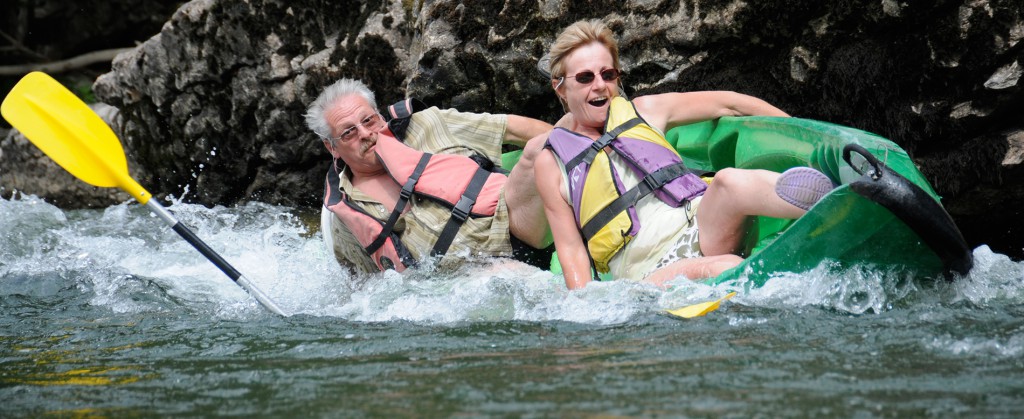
[(730, 179), (532, 149), (742, 187)]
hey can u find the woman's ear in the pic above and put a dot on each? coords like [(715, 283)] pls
[(556, 84)]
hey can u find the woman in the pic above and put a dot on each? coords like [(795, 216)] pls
[(649, 233)]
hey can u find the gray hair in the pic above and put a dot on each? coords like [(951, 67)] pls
[(315, 115)]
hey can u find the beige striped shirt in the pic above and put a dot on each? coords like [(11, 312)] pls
[(434, 131)]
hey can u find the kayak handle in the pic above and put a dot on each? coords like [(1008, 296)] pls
[(876, 172)]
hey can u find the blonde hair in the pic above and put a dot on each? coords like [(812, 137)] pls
[(578, 34)]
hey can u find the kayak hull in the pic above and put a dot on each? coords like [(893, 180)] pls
[(884, 213)]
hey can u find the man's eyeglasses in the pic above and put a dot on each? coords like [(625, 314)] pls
[(587, 77), (372, 123)]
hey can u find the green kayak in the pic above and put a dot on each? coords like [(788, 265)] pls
[(883, 215)]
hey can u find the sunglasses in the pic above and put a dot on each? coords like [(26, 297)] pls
[(587, 77), (372, 123)]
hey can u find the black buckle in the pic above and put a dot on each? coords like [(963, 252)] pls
[(602, 142), (461, 209), (651, 182), (407, 189)]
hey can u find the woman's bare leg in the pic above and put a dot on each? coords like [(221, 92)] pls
[(527, 220), (735, 195)]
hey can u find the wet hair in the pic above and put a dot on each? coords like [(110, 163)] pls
[(578, 34), (316, 118)]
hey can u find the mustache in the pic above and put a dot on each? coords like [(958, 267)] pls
[(365, 144)]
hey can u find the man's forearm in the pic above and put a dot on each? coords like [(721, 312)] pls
[(521, 129)]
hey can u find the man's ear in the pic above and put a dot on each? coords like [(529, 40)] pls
[(330, 147)]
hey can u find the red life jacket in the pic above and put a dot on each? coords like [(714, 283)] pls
[(454, 181)]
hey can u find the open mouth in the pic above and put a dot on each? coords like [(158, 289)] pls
[(601, 101)]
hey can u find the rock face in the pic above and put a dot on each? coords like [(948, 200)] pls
[(214, 103)]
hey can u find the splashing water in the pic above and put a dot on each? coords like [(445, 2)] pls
[(114, 308), (122, 251)]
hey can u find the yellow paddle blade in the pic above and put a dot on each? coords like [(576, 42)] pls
[(700, 309), (68, 131)]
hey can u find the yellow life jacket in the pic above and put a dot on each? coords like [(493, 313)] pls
[(604, 207)]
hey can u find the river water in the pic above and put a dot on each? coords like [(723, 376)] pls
[(109, 313)]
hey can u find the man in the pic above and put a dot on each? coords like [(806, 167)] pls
[(451, 208)]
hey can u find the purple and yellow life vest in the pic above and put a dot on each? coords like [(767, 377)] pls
[(604, 208), (457, 182)]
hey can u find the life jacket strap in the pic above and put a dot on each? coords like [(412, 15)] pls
[(587, 155), (400, 249), (403, 199), (460, 212), (648, 184), (400, 114)]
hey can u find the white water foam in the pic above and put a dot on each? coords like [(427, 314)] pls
[(130, 261), (1011, 347), (994, 276)]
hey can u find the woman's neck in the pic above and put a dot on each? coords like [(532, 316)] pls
[(589, 131)]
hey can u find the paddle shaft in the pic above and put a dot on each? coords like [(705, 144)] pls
[(212, 255)]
